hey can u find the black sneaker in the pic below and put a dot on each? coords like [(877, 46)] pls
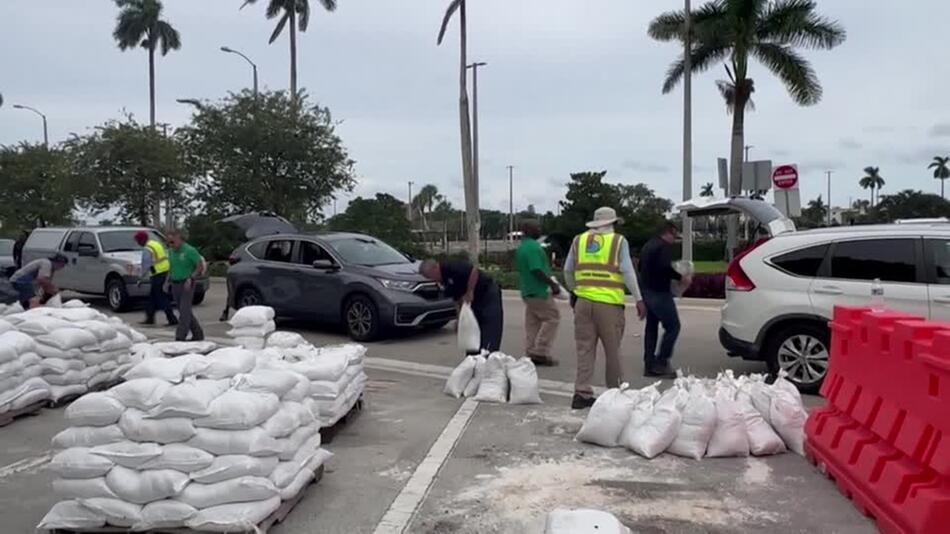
[(147, 322), (581, 402), (661, 371), (543, 361)]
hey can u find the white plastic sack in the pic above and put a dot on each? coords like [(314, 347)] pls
[(128, 453), (47, 351), (523, 378), (143, 487), (68, 378), (583, 521), (7, 353), (788, 420), (730, 437), (55, 366), (38, 326), (275, 381), (642, 411), (327, 368), (75, 303), (293, 443), (192, 398), (763, 440), (82, 488), (250, 343), (79, 462), (300, 391), (254, 442), (697, 426), (608, 416), (67, 338), (659, 431), (235, 490), (138, 427), (285, 340), (228, 362), (477, 374), (87, 436), (239, 410), (103, 330), (116, 512), (118, 342), (94, 409), (231, 466), (70, 515), (235, 517), (141, 393), (165, 514), (172, 370), (18, 341), (460, 377), (252, 316), (10, 369), (304, 476), (260, 331), (494, 383), (176, 348), (180, 457), (62, 392), (469, 335), (287, 419)]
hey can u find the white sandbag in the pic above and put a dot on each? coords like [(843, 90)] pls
[(235, 466), (82, 488), (99, 378), (177, 348), (788, 420), (243, 490), (254, 442), (70, 515), (31, 371), (5, 325), (68, 378), (494, 383), (659, 431), (57, 393), (172, 370), (252, 316), (94, 409), (583, 521), (87, 436), (166, 513), (10, 369), (47, 351), (761, 395), (180, 457), (697, 425), (260, 331), (763, 440), (460, 377), (328, 369), (67, 338), (7, 353), (75, 315), (79, 462), (469, 334), (730, 437), (192, 398), (145, 351), (86, 374), (301, 390), (141, 393), (275, 381), (116, 512), (285, 340), (607, 418), (128, 453), (99, 358), (250, 343), (138, 427), (228, 362), (642, 411), (103, 330), (287, 419), (57, 366), (30, 392), (18, 341), (235, 517), (118, 342), (304, 476), (75, 303), (143, 487), (136, 336), (523, 379), (479, 372), (55, 302), (29, 359), (293, 443), (238, 410), (782, 384), (39, 326)]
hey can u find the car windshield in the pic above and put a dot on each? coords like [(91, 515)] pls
[(122, 240), (6, 247), (367, 251)]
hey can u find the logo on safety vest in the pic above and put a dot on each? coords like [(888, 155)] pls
[(594, 244)]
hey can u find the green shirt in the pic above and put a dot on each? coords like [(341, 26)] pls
[(531, 257), (184, 262)]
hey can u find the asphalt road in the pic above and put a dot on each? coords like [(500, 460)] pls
[(416, 461)]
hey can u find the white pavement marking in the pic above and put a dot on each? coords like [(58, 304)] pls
[(26, 464), (404, 507)]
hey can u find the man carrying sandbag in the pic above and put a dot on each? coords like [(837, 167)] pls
[(35, 278), (657, 274), (464, 283), (538, 289), (597, 270)]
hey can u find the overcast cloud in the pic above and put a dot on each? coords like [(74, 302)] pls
[(570, 86)]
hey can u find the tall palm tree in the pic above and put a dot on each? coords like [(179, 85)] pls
[(296, 14), (465, 126), (733, 31), (425, 201), (941, 167), (140, 24), (873, 181), (708, 190)]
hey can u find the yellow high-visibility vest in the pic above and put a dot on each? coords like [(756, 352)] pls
[(597, 268), (160, 263)]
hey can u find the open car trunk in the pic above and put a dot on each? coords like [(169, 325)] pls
[(759, 211)]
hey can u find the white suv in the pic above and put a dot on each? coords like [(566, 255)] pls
[(781, 292)]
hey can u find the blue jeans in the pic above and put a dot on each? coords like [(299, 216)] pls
[(26, 292), (661, 309)]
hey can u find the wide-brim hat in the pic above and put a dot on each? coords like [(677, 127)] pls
[(604, 217)]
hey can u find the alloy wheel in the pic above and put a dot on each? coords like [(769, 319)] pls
[(804, 358)]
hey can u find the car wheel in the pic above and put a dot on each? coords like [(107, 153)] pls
[(248, 297), (361, 319), (802, 351), (117, 295), (198, 298)]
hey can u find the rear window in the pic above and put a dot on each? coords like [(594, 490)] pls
[(804, 262), (45, 239), (891, 260), (123, 240), (6, 247)]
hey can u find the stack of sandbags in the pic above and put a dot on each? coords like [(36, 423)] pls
[(10, 309), (19, 370), (178, 348), (498, 378), (251, 325), (205, 442)]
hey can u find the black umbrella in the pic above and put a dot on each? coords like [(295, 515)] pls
[(262, 223)]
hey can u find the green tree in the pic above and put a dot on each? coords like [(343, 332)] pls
[(127, 167), (909, 204), (872, 180), (383, 217), (266, 153), (215, 240), (941, 167), (733, 31), (815, 214), (296, 15), (140, 24), (37, 189), (708, 190), (425, 201)]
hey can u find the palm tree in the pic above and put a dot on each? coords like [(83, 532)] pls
[(941, 167), (140, 24), (727, 88), (465, 126), (425, 201), (707, 190), (733, 31), (872, 180), (296, 14)]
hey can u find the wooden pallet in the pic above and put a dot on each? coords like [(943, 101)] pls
[(328, 433), (32, 409), (278, 516)]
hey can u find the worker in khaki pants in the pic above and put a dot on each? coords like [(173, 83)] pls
[(597, 270), (538, 289)]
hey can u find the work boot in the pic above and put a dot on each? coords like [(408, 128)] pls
[(662, 370), (148, 322), (582, 402), (543, 361)]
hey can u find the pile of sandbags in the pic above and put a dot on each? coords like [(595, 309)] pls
[(20, 386), (251, 325), (699, 418), (206, 442), (178, 348), (497, 378), (10, 309)]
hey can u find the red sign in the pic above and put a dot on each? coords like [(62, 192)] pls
[(785, 177)]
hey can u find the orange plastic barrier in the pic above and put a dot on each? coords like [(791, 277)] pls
[(884, 435)]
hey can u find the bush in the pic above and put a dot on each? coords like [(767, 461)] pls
[(707, 286)]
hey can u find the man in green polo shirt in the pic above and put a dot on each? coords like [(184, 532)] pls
[(538, 288), (186, 266)]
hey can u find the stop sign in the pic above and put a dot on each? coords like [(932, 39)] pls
[(785, 177)]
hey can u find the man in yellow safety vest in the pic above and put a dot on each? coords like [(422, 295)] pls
[(597, 270), (155, 267)]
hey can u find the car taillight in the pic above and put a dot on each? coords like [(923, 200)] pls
[(233, 259), (736, 277)]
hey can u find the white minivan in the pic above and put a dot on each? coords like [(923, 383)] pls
[(781, 291)]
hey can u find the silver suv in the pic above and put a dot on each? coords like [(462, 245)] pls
[(103, 260)]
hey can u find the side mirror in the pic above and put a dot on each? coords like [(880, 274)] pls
[(325, 265), (88, 253)]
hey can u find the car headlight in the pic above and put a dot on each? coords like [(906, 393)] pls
[(398, 285)]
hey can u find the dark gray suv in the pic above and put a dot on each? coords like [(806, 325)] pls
[(337, 278)]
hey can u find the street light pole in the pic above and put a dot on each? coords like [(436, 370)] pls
[(474, 67), (511, 202), (409, 205), (687, 132), (253, 66), (829, 196), (38, 112), (747, 147)]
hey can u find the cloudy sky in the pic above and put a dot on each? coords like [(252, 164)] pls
[(570, 86)]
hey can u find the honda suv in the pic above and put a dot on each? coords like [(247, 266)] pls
[(781, 292), (337, 278)]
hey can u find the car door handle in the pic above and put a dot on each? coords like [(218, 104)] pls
[(942, 300), (829, 290)]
